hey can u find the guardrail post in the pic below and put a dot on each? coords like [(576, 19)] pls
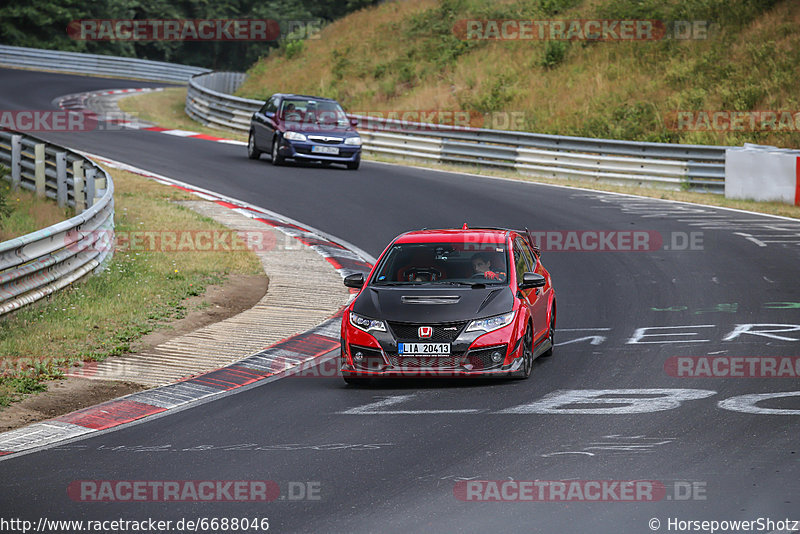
[(77, 188), (90, 173), (39, 166), (16, 160), (61, 179), (100, 181)]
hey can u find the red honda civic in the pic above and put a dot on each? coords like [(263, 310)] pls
[(452, 302)]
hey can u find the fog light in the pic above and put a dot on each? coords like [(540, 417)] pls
[(497, 357), (358, 356)]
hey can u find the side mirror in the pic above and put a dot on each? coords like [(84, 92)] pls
[(354, 280), (353, 122), (270, 115), (531, 280)]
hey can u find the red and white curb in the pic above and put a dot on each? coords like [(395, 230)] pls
[(285, 357), (83, 102)]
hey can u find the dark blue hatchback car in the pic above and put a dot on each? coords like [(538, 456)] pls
[(303, 127)]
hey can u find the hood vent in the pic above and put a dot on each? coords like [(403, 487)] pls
[(434, 299)]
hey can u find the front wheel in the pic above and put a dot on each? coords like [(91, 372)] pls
[(353, 165), (277, 159), (252, 151)]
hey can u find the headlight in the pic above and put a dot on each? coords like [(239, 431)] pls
[(491, 323), (365, 324), (353, 141), (294, 136)]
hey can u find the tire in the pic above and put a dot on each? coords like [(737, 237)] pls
[(356, 381), (277, 159), (353, 165), (252, 151), (527, 355), (551, 334)]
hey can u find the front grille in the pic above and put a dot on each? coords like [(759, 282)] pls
[(425, 362), (482, 358), (373, 359), (325, 140), (442, 333)]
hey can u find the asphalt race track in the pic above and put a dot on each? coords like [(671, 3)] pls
[(388, 458)]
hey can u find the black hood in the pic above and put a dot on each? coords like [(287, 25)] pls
[(414, 304)]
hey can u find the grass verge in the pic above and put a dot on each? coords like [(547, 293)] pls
[(103, 315), (166, 108), (28, 213)]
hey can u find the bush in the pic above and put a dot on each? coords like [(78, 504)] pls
[(554, 54), (293, 48)]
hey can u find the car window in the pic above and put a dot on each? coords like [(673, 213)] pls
[(520, 263), (269, 105), (454, 262), (529, 256)]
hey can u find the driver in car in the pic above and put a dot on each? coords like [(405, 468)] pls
[(421, 268), (292, 113), (482, 266)]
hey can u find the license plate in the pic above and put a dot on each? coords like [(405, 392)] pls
[(431, 349), (325, 149)]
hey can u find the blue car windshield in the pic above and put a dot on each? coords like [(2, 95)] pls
[(313, 113), (443, 264)]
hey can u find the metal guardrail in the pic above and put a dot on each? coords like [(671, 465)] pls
[(672, 166), (40, 263), (123, 67), (210, 102)]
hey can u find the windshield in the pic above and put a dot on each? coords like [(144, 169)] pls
[(443, 264), (314, 113)]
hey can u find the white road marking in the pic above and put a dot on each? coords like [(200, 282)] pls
[(594, 340)]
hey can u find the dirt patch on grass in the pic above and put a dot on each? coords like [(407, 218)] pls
[(238, 293)]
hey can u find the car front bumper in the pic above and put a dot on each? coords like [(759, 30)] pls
[(303, 150)]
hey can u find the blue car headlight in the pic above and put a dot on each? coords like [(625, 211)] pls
[(294, 136), (366, 324), (353, 141), (491, 323)]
